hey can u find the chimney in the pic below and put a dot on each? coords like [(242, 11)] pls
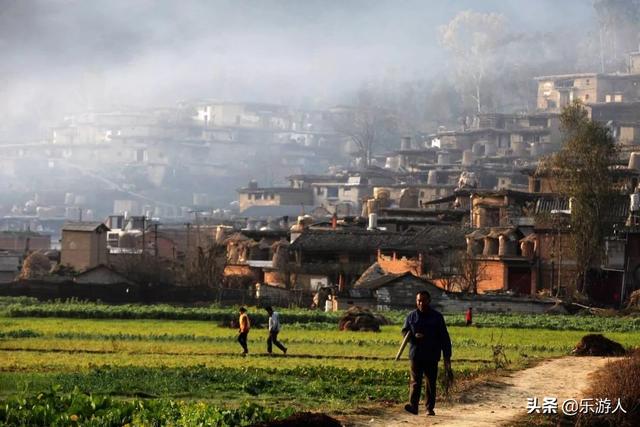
[(405, 143), (373, 221)]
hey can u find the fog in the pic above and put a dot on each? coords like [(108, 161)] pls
[(61, 56)]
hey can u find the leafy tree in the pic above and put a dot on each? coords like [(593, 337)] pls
[(583, 172)]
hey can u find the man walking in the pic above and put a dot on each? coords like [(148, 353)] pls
[(245, 325), (428, 339), (274, 329)]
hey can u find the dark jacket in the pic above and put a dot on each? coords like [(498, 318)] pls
[(436, 337)]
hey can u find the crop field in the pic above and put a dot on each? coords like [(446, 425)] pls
[(152, 365)]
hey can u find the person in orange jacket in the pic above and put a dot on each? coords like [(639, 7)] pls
[(245, 325)]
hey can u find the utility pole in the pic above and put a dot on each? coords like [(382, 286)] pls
[(144, 244), (188, 224), (155, 240)]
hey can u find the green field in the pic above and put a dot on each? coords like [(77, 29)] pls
[(191, 368)]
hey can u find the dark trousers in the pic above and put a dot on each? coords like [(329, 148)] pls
[(242, 339), (273, 339), (420, 368)]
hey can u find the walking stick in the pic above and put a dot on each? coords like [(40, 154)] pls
[(405, 340)]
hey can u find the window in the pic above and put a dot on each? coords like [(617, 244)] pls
[(332, 192), (586, 97), (319, 191), (272, 196)]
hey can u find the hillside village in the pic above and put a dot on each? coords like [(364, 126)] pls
[(467, 211)]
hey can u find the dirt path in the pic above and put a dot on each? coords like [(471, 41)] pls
[(501, 399)]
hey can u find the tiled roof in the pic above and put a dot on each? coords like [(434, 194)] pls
[(365, 241), (84, 226)]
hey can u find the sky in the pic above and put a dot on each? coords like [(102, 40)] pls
[(61, 56)]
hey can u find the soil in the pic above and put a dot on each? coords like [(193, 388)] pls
[(306, 419), (499, 400)]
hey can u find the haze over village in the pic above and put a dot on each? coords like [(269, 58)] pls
[(306, 147), (287, 213)]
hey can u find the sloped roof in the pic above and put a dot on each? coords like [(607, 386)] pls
[(359, 240), (84, 226), (388, 279), (372, 273), (618, 209), (275, 211)]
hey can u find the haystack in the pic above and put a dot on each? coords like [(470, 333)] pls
[(361, 319), (597, 345)]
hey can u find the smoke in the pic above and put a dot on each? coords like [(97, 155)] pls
[(61, 56)]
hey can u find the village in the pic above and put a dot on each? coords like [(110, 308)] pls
[(285, 213), (470, 213)]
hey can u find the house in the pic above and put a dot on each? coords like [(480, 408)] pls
[(253, 195), (344, 254), (24, 241), (10, 264), (101, 275), (497, 262), (84, 245), (623, 118), (500, 208), (557, 91), (393, 291)]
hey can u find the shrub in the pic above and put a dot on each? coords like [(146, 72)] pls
[(617, 380)]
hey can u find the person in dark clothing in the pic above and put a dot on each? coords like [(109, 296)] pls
[(428, 339)]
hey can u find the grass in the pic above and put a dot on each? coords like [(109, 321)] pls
[(199, 360)]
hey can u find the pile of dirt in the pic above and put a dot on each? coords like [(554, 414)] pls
[(307, 419), (361, 319), (597, 345)]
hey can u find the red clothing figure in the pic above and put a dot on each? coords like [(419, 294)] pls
[(469, 316)]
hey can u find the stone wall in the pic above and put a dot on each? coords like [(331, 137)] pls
[(451, 303)]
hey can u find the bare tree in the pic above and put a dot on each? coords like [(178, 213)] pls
[(206, 269), (366, 125), (448, 270), (619, 25), (473, 38), (472, 272)]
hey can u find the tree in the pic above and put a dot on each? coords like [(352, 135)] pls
[(472, 272), (207, 267), (366, 125), (473, 39), (583, 172), (144, 269), (619, 24)]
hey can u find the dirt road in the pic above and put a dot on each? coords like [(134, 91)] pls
[(501, 399)]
